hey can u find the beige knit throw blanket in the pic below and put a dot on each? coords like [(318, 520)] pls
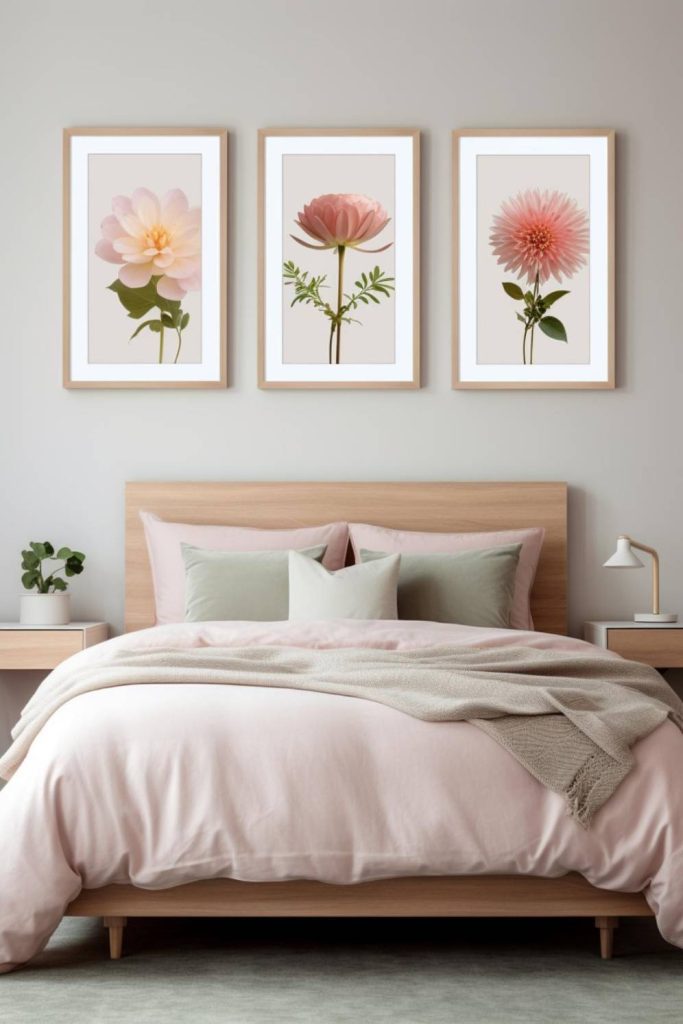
[(570, 719)]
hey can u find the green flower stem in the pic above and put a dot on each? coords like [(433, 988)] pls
[(341, 250), (161, 344), (180, 341), (332, 328), (526, 331), (531, 347)]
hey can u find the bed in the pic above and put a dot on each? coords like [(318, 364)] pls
[(410, 506)]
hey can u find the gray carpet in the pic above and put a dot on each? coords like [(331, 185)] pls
[(300, 972)]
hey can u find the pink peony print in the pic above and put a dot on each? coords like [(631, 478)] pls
[(157, 246), (342, 219), (339, 221), (538, 235)]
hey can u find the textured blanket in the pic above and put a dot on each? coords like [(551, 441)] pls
[(570, 719)]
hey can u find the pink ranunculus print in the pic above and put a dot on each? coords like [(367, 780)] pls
[(151, 237), (339, 221), (538, 235)]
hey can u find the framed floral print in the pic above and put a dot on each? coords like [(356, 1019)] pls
[(533, 258), (339, 258), (145, 231)]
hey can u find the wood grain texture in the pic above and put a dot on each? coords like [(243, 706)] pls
[(661, 648), (41, 648), (456, 896), (67, 380), (455, 321), (440, 507), (263, 135)]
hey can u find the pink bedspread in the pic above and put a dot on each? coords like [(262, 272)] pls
[(157, 785)]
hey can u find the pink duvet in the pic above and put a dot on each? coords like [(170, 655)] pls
[(161, 784)]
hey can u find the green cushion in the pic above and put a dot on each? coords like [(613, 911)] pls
[(238, 585), (472, 588)]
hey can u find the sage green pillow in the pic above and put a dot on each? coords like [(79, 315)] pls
[(248, 586), (472, 588)]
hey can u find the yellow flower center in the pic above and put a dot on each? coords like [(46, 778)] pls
[(537, 240), (157, 237)]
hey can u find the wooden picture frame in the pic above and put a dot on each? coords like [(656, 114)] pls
[(178, 177), (306, 179), (499, 195)]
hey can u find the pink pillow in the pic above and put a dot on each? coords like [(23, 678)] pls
[(409, 542), (166, 560)]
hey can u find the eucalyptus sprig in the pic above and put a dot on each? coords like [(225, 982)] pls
[(38, 552), (535, 312)]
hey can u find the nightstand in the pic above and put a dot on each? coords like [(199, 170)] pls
[(44, 647), (659, 644)]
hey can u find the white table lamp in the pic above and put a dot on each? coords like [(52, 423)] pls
[(625, 558)]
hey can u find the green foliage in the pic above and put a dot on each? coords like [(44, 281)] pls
[(38, 552), (307, 292), (535, 307), (513, 290), (553, 327), (139, 301)]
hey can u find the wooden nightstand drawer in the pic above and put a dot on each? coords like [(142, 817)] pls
[(33, 649), (662, 648), (658, 644)]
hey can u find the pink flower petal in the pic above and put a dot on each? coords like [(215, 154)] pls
[(170, 289), (111, 228), (183, 268), (121, 205), (174, 206), (105, 250), (146, 207), (135, 276)]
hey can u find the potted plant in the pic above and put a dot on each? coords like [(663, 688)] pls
[(50, 605)]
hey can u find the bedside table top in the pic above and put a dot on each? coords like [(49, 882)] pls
[(631, 624), (69, 625)]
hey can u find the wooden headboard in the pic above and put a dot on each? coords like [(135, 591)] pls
[(447, 507)]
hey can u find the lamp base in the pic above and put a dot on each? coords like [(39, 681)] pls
[(651, 617)]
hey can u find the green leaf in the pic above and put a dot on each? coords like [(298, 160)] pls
[(38, 549), (49, 550), (138, 301), (553, 327), (29, 579), (58, 584), (513, 290), (553, 297), (79, 555), (64, 553), (185, 321), (529, 298), (520, 317), (147, 323), (167, 320), (29, 560)]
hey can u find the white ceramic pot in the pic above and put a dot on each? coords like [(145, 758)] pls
[(45, 610)]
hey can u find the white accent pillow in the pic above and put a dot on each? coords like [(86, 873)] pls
[(366, 591)]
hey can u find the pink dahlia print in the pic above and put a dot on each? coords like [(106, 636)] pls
[(339, 222), (157, 244), (539, 235)]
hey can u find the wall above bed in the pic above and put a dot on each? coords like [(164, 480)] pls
[(66, 454)]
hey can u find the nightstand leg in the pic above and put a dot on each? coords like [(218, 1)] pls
[(606, 926), (115, 926)]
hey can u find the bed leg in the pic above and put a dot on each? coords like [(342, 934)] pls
[(606, 926), (115, 926)]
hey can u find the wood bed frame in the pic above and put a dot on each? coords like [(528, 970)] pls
[(445, 507)]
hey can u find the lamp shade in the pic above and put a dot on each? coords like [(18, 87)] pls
[(624, 557)]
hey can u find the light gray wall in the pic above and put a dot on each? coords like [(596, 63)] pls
[(435, 65)]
